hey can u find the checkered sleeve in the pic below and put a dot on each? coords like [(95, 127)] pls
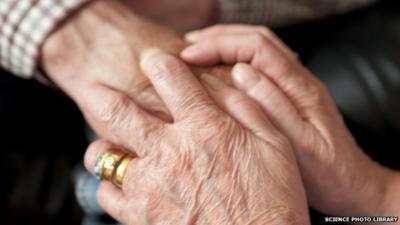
[(276, 13), (24, 25)]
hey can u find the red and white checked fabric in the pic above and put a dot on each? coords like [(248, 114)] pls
[(24, 25)]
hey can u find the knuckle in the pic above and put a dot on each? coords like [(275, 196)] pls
[(136, 173), (308, 93), (112, 113), (147, 135), (149, 200), (258, 39), (264, 30), (316, 94), (283, 65), (316, 148), (320, 152)]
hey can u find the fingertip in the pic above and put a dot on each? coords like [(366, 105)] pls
[(239, 71), (147, 56), (157, 64), (203, 53), (193, 36), (244, 76), (151, 52), (239, 66), (190, 53)]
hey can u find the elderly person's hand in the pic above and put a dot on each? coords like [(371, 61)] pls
[(96, 50), (339, 178), (206, 167)]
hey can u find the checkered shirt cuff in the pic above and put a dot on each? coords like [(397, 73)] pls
[(24, 25)]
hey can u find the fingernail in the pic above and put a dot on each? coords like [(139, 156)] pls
[(149, 54), (214, 83), (192, 36), (151, 61), (190, 51), (244, 76)]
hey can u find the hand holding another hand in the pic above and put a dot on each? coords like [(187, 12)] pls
[(208, 166), (339, 178), (94, 58)]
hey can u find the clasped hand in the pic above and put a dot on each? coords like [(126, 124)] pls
[(229, 156), (241, 153)]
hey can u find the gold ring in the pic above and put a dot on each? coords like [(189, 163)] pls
[(106, 164), (121, 170)]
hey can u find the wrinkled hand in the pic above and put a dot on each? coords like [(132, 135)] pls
[(97, 50), (204, 168), (339, 178)]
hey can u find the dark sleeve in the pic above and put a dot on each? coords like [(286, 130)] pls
[(284, 12)]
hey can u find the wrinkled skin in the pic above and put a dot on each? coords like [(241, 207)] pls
[(98, 49), (206, 167), (339, 178)]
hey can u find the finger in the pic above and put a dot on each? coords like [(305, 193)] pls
[(176, 85), (136, 168), (231, 48), (119, 205), (113, 201), (198, 35), (120, 120), (304, 90), (239, 106), (274, 102), (109, 197), (95, 150)]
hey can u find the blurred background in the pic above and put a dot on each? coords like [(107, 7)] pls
[(43, 135)]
